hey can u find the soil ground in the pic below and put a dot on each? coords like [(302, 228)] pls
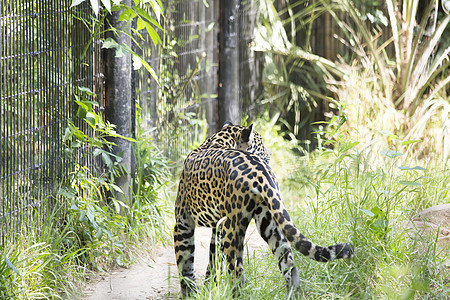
[(156, 277)]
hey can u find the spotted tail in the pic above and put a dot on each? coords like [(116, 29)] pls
[(297, 239)]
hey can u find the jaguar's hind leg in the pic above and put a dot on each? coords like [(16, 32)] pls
[(183, 236), (233, 234), (214, 255), (279, 246)]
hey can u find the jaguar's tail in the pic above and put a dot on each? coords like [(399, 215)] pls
[(296, 238)]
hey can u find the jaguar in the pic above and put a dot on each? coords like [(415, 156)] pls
[(225, 183)]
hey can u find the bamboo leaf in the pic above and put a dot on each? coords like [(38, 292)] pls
[(429, 48), (127, 15), (391, 153), (95, 6), (409, 183), (10, 265), (141, 24), (76, 2), (107, 5), (146, 16)]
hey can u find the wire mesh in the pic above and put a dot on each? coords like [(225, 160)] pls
[(39, 73), (184, 102)]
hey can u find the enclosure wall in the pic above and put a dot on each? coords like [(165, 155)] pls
[(41, 44)]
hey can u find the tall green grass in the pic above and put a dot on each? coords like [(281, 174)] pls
[(44, 262), (334, 195), (85, 229)]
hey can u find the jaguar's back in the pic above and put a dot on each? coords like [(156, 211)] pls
[(228, 180)]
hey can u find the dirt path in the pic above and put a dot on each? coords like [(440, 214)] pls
[(157, 278)]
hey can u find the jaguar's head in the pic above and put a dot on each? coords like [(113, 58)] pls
[(247, 139)]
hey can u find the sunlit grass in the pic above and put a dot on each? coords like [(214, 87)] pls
[(332, 198)]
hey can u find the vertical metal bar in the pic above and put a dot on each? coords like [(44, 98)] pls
[(2, 195), (8, 129), (29, 99), (229, 102), (118, 97), (2, 130)]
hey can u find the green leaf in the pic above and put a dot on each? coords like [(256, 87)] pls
[(99, 233), (149, 68), (377, 211), (90, 213), (107, 160), (367, 212), (391, 153), (146, 16), (127, 15), (158, 7), (82, 216), (95, 6), (91, 118), (122, 50), (110, 43), (67, 135), (409, 183), (404, 143), (11, 266), (153, 34), (141, 24), (67, 192), (116, 188), (85, 90), (76, 143), (107, 4), (116, 206), (414, 168), (76, 2), (81, 112)]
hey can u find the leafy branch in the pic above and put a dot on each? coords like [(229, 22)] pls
[(136, 13)]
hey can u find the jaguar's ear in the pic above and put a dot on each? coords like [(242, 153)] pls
[(247, 134), (227, 123)]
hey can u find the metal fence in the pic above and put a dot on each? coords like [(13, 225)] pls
[(185, 101), (40, 46), (186, 64)]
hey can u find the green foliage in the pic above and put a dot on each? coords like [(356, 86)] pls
[(393, 77), (292, 76), (138, 12), (8, 275), (414, 69), (335, 195), (98, 137), (99, 224), (88, 230), (147, 212), (367, 204), (42, 264), (102, 220)]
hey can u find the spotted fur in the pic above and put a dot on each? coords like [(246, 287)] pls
[(228, 178)]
